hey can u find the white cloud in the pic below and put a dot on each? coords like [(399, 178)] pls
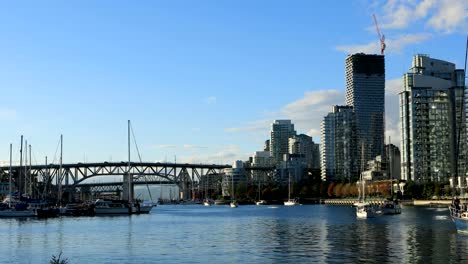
[(253, 127), (393, 45), (445, 16), (306, 113), (211, 100), (392, 121), (8, 114)]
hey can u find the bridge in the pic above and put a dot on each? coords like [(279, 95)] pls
[(74, 176)]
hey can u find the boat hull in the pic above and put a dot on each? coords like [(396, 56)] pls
[(290, 203), (107, 211), (14, 213), (233, 205), (461, 224)]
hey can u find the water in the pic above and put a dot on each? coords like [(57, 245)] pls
[(248, 234)]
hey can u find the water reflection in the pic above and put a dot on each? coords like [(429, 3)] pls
[(219, 234)]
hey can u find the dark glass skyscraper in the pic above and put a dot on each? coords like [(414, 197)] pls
[(365, 92)]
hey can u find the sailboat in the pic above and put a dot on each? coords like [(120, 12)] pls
[(233, 203), (459, 210), (20, 210), (206, 201), (390, 206), (260, 201), (363, 208), (290, 202)]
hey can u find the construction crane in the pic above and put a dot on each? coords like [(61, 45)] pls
[(381, 36)]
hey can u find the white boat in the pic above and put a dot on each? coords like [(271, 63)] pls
[(290, 202), (142, 208), (207, 202), (233, 204), (364, 210), (261, 202), (102, 206)]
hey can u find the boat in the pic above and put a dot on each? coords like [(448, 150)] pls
[(390, 207), (459, 210), (363, 208), (260, 201), (142, 208), (459, 215), (233, 203), (106, 207), (207, 202), (19, 209), (290, 202)]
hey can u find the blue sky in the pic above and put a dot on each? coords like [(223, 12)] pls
[(200, 80)]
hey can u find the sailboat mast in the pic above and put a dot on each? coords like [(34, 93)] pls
[(26, 167), (59, 175), (30, 175), (130, 178), (9, 177), (21, 166)]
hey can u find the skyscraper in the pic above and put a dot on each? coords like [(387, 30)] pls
[(281, 131), (365, 92), (339, 151), (433, 121)]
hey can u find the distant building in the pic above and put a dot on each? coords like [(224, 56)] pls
[(281, 131), (339, 150), (432, 121), (376, 170), (293, 166), (232, 177), (365, 92), (266, 147), (304, 145), (394, 160), (261, 159)]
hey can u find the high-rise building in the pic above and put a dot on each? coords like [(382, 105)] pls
[(281, 131), (304, 145), (433, 121), (393, 157), (365, 92), (339, 151)]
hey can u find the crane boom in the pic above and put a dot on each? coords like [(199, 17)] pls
[(381, 36)]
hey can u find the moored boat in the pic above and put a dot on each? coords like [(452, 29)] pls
[(390, 207), (102, 207), (261, 202), (364, 210), (291, 202), (459, 215)]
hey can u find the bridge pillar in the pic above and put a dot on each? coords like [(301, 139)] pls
[(127, 188)]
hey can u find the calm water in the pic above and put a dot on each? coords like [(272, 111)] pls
[(248, 234)]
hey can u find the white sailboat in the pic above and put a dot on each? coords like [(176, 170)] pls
[(18, 211), (233, 203), (363, 208), (206, 201), (290, 202), (137, 206), (260, 201)]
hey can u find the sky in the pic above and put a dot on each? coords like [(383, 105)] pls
[(201, 81)]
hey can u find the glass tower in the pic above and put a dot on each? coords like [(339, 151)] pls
[(365, 92)]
